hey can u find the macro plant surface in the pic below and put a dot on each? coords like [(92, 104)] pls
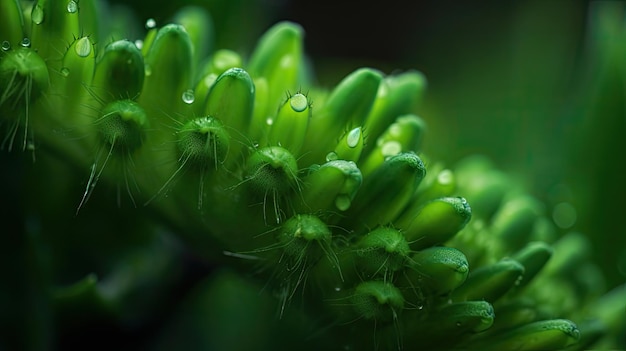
[(323, 224)]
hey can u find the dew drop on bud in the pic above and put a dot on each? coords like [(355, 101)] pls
[(331, 156), (148, 70), (37, 14), (139, 44), (83, 47), (188, 97), (65, 71), (6, 46), (72, 6), (25, 43), (353, 137), (298, 102), (150, 23)]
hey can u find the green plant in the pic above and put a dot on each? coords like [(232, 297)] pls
[(319, 220)]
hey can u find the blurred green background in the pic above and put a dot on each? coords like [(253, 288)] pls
[(535, 85)]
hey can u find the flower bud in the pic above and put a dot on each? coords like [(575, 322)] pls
[(331, 186), (434, 222), (119, 72)]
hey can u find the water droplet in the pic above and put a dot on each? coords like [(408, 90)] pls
[(188, 97), (37, 14), (6, 46), (65, 71), (458, 324), (83, 47), (269, 121), (150, 23), (343, 202), (331, 156), (353, 137), (72, 6), (139, 44), (298, 102), (420, 307), (148, 70), (25, 43), (337, 288), (564, 215)]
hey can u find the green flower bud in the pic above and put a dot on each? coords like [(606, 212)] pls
[(231, 100), (271, 174), (122, 126), (297, 234), (164, 86), (439, 270), (469, 316), (23, 75), (120, 72), (514, 313), (277, 58), (11, 23), (331, 186), (289, 126), (381, 252), (347, 106), (434, 222), (386, 192), (23, 78), (514, 221), (490, 282), (404, 135), (203, 142), (553, 334), (397, 95), (533, 257), (448, 324), (302, 241), (377, 300)]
